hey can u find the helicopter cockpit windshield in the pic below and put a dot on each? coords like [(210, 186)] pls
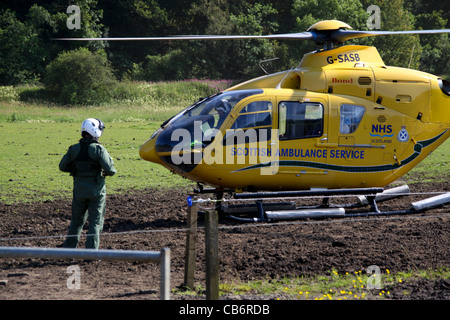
[(196, 126), (214, 109)]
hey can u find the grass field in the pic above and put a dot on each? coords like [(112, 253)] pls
[(141, 101), (334, 286), (36, 135), (31, 153)]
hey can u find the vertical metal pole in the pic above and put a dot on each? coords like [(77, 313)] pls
[(165, 273), (191, 238), (212, 255)]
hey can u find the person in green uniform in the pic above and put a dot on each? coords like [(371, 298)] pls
[(89, 163)]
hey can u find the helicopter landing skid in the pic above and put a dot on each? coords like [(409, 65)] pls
[(269, 212)]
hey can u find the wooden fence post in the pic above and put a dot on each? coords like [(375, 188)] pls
[(212, 255), (191, 238)]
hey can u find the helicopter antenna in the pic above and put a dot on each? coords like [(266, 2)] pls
[(264, 61), (282, 80)]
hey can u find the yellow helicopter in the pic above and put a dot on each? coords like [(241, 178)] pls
[(341, 119)]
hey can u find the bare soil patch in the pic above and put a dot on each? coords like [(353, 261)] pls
[(153, 219)]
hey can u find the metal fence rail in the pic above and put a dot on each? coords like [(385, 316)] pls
[(162, 256)]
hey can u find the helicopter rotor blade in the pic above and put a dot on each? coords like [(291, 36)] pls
[(342, 35), (318, 36), (287, 36)]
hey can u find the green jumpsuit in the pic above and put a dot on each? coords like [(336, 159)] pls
[(88, 162)]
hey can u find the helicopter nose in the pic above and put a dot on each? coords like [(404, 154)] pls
[(147, 151)]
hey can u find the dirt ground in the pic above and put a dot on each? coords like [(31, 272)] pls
[(155, 219)]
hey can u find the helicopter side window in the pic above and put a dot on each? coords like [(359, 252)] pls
[(300, 120), (351, 116), (253, 115), (255, 120)]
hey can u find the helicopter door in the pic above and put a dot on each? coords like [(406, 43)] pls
[(249, 136), (301, 127)]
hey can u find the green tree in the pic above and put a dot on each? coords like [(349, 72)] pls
[(15, 38), (80, 77), (419, 7), (26, 29), (24, 52), (171, 66), (432, 14), (210, 59), (26, 37), (258, 19), (141, 18), (237, 59), (396, 50), (436, 48)]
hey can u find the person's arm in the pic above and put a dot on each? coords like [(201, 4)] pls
[(106, 161), (65, 165)]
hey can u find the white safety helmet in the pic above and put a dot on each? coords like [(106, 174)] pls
[(93, 126)]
